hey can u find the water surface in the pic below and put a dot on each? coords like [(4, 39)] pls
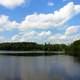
[(39, 68)]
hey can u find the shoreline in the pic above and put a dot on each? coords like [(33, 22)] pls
[(30, 53)]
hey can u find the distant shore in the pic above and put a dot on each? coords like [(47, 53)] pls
[(30, 53), (33, 49)]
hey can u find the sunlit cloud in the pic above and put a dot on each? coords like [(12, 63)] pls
[(11, 3), (43, 22)]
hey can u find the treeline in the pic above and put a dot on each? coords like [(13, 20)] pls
[(72, 49), (30, 46)]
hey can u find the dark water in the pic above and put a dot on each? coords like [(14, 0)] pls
[(39, 68)]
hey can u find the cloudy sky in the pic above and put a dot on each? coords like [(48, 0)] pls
[(54, 21)]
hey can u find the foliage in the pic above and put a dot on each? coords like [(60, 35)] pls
[(75, 48), (72, 49)]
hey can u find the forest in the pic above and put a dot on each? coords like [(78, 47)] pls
[(71, 49)]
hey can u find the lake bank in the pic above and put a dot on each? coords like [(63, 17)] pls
[(36, 53), (31, 53)]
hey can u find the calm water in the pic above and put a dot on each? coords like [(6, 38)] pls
[(39, 68)]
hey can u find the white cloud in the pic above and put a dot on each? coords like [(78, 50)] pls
[(11, 3), (61, 38), (71, 34), (6, 24), (43, 21), (2, 39), (50, 4), (72, 30), (51, 20), (44, 36), (41, 37), (32, 36), (57, 38), (77, 8)]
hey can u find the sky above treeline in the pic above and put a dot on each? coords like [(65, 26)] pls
[(54, 21)]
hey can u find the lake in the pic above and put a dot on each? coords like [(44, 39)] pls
[(57, 67)]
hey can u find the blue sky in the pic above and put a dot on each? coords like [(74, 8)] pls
[(54, 21)]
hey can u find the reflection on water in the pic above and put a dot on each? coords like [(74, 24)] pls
[(39, 68)]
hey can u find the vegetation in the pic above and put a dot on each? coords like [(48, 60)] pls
[(72, 49), (30, 46)]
